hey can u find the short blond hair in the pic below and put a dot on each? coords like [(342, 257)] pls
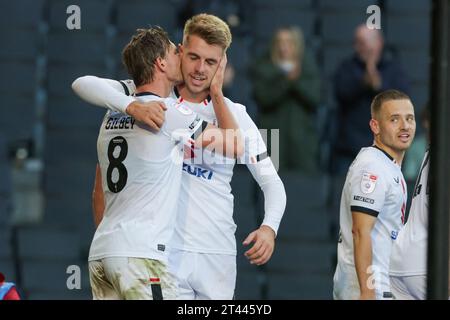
[(212, 29)]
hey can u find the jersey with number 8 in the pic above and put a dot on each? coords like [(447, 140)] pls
[(141, 173)]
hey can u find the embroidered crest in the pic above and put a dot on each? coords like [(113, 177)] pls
[(368, 182)]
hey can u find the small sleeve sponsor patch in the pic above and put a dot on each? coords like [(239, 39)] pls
[(364, 199), (368, 182)]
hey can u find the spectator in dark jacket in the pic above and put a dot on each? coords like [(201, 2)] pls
[(357, 80)]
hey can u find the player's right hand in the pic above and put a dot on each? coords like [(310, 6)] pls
[(151, 113)]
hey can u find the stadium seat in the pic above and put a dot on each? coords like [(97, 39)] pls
[(8, 269), (61, 76), (419, 96), (300, 223), (71, 146), (16, 48), (300, 286), (71, 112), (5, 243), (303, 257), (51, 276), (84, 294), (24, 114), (141, 14), (245, 219), (249, 284), (407, 8), (267, 21), (48, 243), (338, 28), (74, 209), (239, 53), (294, 4), (27, 14), (77, 47), (68, 177), (5, 168), (243, 186), (333, 56), (5, 210), (310, 190), (240, 91), (95, 15), (345, 5), (409, 32), (20, 79)]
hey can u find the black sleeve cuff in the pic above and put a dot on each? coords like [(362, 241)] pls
[(368, 211), (125, 88), (262, 156)]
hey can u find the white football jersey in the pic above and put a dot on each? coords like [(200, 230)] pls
[(374, 185), (409, 253), (205, 215), (141, 177)]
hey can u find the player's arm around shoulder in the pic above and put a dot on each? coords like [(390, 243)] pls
[(117, 96)]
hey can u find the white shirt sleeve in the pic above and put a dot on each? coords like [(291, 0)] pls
[(368, 189), (273, 189), (105, 93), (263, 171)]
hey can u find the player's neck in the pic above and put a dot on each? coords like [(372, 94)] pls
[(160, 87), (189, 96), (397, 155)]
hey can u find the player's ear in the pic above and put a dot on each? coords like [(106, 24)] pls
[(161, 63), (180, 48), (374, 126)]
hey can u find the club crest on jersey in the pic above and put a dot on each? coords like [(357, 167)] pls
[(183, 109), (368, 182)]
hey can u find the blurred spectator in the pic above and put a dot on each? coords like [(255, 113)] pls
[(7, 290), (286, 87), (357, 80)]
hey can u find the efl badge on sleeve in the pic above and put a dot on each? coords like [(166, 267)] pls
[(368, 182)]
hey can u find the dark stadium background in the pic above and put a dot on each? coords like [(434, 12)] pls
[(48, 135)]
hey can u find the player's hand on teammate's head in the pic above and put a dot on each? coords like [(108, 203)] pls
[(151, 113), (217, 81), (264, 244)]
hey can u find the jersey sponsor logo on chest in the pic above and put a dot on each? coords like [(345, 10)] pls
[(198, 172), (118, 123)]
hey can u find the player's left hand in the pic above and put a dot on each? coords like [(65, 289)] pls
[(264, 244), (217, 81)]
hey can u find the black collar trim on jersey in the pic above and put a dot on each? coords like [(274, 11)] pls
[(175, 90), (146, 93), (387, 154)]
